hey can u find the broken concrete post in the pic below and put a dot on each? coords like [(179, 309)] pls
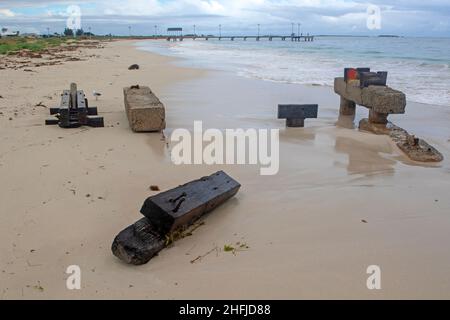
[(348, 108), (416, 149), (145, 111)]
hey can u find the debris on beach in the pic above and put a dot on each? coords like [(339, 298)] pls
[(145, 111), (40, 104), (154, 188), (199, 258), (417, 149), (168, 216), (181, 233), (38, 287), (360, 86), (134, 67), (48, 56), (74, 111), (235, 248)]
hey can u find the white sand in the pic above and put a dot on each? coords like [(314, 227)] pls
[(303, 226)]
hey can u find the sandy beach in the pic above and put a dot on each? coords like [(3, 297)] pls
[(342, 201)]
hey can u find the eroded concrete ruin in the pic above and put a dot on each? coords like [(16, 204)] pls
[(381, 101)]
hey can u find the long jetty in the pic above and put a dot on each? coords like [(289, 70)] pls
[(244, 38)]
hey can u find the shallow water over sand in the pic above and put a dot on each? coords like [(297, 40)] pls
[(305, 225)]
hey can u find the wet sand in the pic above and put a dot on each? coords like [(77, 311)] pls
[(65, 194)]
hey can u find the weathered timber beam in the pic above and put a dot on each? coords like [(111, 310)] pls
[(181, 206), (138, 243), (168, 211)]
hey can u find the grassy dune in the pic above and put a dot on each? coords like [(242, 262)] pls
[(16, 44)]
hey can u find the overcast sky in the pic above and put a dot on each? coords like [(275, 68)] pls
[(402, 17)]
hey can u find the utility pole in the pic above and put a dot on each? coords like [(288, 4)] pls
[(292, 33), (194, 30), (299, 25), (220, 31), (48, 32), (259, 26)]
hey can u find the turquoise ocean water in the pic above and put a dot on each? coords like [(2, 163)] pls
[(417, 66)]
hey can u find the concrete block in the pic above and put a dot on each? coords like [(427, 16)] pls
[(349, 90), (384, 99), (144, 110), (378, 98)]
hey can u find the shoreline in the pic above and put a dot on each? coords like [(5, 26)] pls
[(304, 227), (238, 62)]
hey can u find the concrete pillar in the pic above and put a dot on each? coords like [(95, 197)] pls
[(378, 118), (348, 108)]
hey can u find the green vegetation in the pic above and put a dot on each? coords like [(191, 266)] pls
[(182, 232), (235, 248), (16, 44)]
